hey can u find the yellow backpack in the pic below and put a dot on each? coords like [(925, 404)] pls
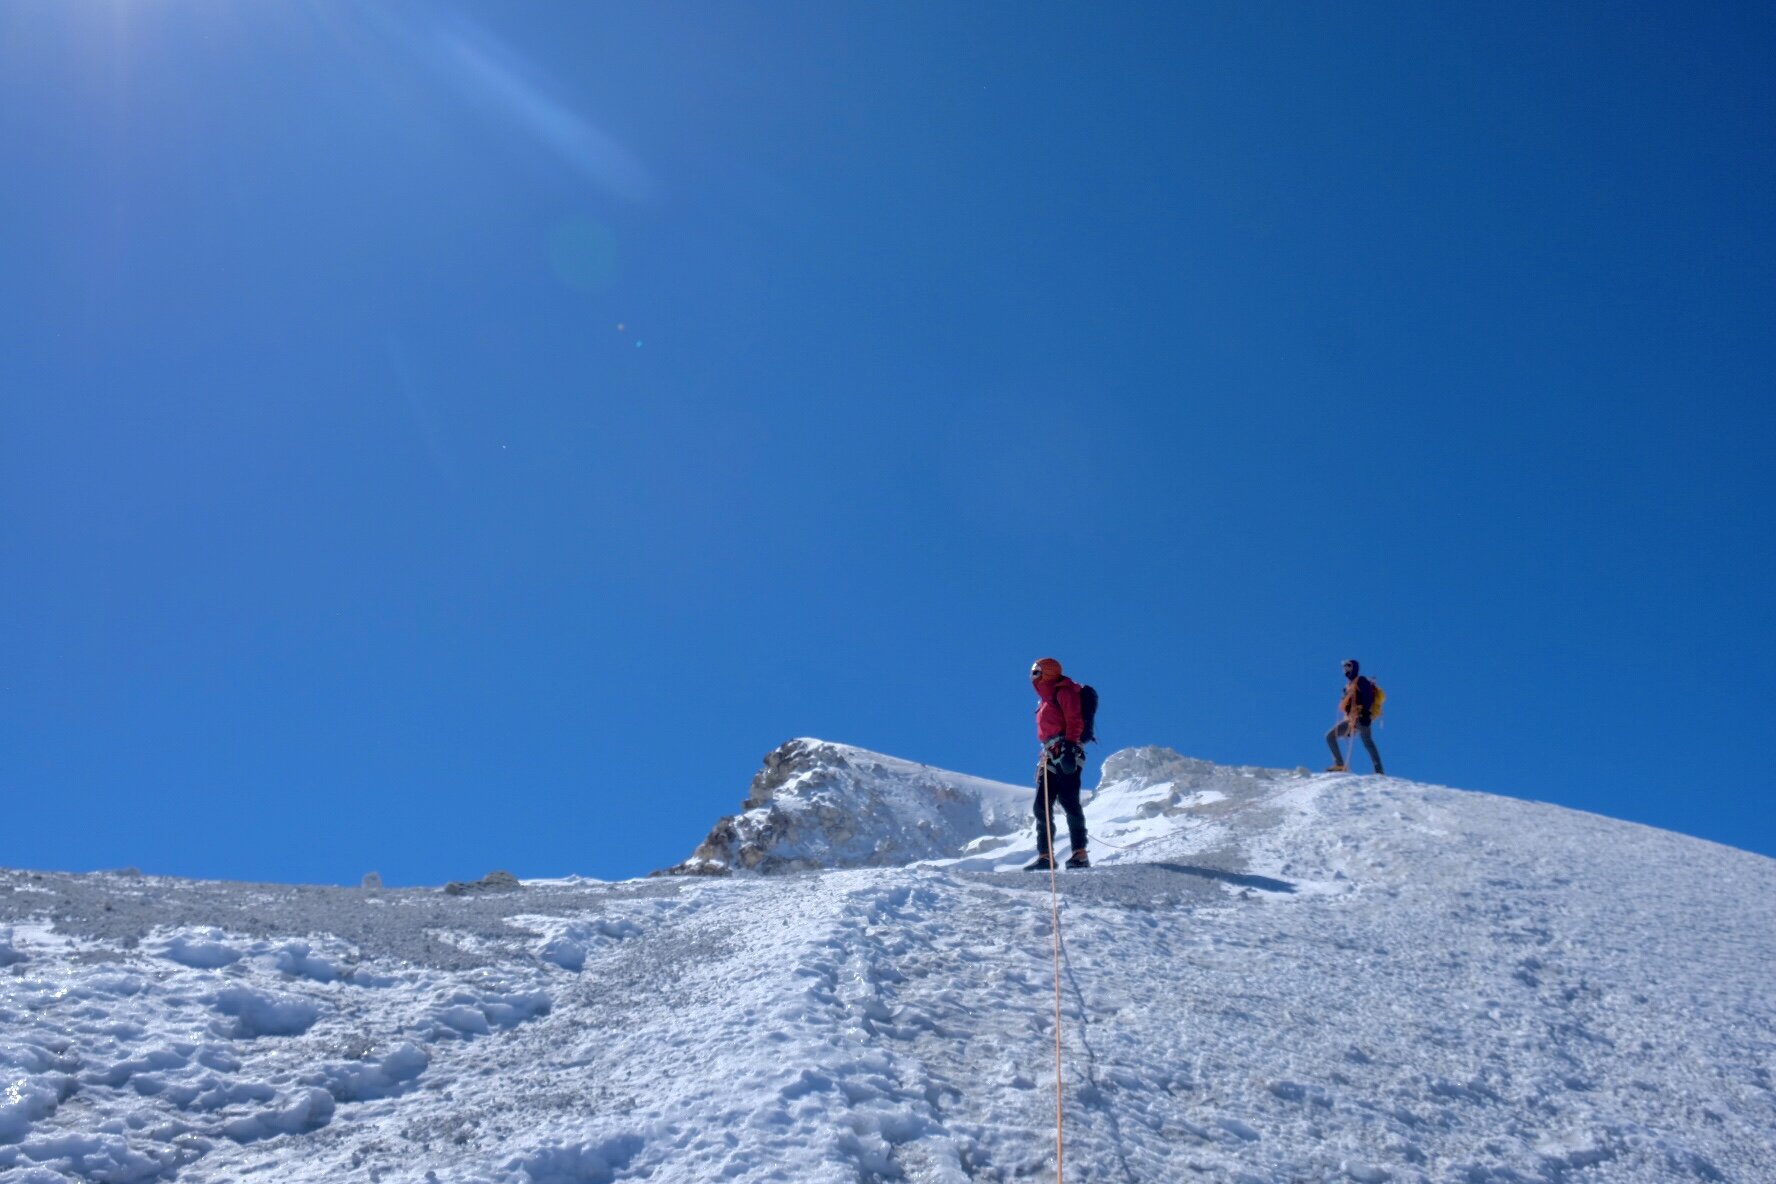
[(1375, 705)]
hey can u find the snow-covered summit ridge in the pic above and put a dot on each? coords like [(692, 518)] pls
[(820, 805)]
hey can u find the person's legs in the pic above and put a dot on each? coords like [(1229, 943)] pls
[(1369, 743), (1044, 807), (1065, 787), (1337, 733)]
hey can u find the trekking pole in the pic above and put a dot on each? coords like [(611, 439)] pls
[(1054, 900)]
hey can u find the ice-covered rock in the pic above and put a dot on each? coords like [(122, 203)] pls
[(816, 804), (495, 881)]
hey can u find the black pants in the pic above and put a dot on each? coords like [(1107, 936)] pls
[(1062, 788)]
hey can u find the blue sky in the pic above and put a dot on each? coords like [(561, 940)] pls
[(439, 437)]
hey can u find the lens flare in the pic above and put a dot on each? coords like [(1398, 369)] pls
[(498, 78)]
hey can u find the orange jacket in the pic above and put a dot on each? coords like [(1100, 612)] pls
[(1358, 701)]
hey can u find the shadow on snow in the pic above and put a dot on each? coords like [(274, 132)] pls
[(1238, 879)]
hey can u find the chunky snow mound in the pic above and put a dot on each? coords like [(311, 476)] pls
[(1271, 977), (821, 805)]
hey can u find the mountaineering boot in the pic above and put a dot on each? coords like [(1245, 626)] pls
[(1378, 771), (1040, 864), (1338, 768), (1080, 859)]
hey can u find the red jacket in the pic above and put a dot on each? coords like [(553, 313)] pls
[(1057, 713)]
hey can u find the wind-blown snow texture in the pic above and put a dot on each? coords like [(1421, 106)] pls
[(1274, 977)]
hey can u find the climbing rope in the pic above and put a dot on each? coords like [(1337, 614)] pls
[(1054, 901)]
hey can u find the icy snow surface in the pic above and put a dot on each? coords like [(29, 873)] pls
[(1270, 977)]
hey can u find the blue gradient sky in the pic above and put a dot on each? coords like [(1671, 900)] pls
[(438, 437)]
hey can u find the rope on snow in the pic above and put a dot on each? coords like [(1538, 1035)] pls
[(1054, 901)]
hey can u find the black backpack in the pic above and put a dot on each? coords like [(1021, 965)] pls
[(1088, 710)]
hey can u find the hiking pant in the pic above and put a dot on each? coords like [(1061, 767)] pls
[(1062, 788), (1344, 729)]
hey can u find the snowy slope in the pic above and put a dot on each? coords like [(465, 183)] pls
[(1275, 977)]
